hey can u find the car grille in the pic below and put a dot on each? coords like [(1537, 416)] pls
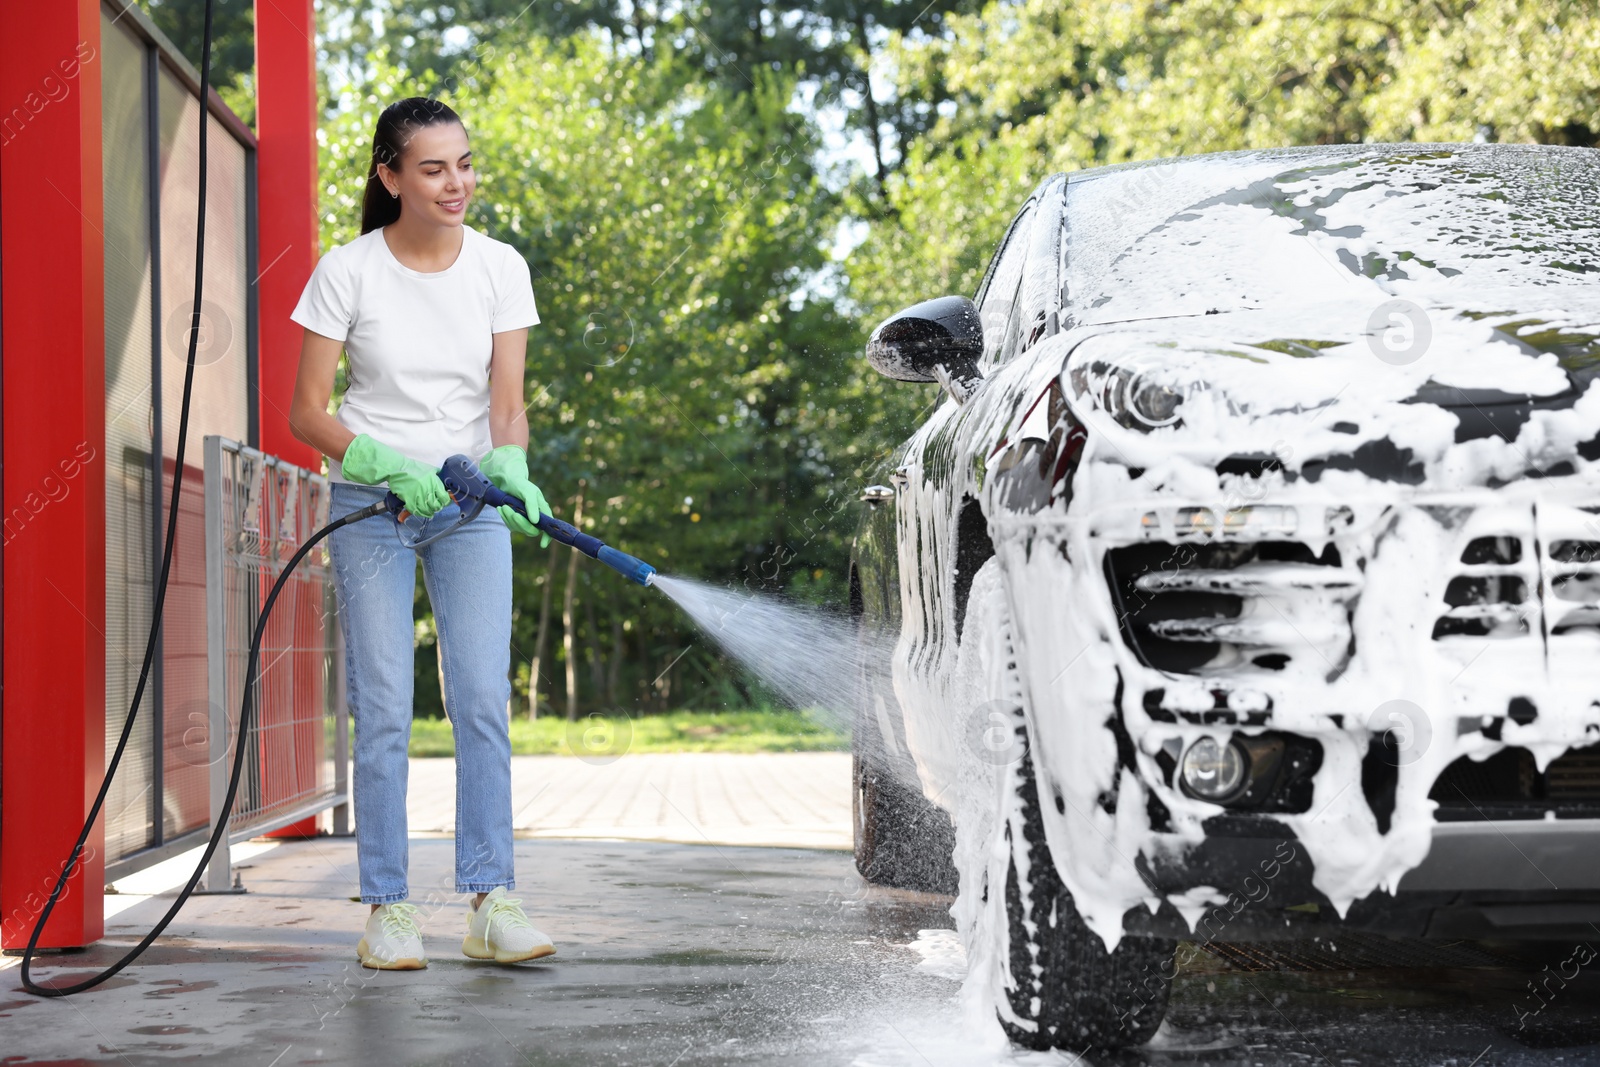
[(1235, 607), (1491, 592), (1572, 569), (1494, 585), (1508, 785)]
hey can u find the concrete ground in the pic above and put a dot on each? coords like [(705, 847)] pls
[(798, 799), (672, 954), (667, 954)]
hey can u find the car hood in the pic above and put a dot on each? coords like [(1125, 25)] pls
[(1464, 395)]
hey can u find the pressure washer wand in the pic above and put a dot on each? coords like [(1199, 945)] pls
[(630, 567), (466, 484)]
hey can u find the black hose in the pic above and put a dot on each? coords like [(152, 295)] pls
[(246, 711), (247, 708)]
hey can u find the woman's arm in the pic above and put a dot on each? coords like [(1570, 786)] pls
[(309, 420), (508, 411)]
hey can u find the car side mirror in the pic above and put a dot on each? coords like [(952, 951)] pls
[(939, 340)]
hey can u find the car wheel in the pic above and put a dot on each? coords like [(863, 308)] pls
[(1066, 990), (901, 840)]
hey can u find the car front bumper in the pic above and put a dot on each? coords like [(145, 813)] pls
[(1511, 879), (1396, 625)]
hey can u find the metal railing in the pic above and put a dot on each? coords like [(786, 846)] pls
[(259, 511)]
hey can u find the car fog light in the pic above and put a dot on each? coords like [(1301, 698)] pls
[(1257, 520), (1214, 770), (1201, 521), (1261, 519)]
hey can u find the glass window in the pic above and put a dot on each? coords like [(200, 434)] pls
[(1040, 292), (219, 405), (150, 159), (130, 493), (997, 299)]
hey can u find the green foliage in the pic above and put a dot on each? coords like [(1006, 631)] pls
[(233, 45), (662, 168), (679, 731), (1039, 86), (685, 377), (829, 43)]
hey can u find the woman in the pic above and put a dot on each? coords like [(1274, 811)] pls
[(434, 316)]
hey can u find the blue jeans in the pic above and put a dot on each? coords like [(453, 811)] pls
[(468, 579)]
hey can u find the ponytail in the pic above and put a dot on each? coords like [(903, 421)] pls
[(396, 126)]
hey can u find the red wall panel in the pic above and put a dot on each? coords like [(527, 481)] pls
[(52, 429), (286, 169)]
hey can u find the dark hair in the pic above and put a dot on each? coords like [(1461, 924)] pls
[(396, 126)]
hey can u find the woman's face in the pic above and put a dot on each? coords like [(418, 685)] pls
[(435, 180)]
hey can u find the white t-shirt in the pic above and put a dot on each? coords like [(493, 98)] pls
[(419, 343)]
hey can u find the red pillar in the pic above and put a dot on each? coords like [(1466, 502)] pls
[(286, 171), (52, 433)]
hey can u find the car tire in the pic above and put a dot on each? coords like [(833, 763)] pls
[(1067, 991), (901, 840)]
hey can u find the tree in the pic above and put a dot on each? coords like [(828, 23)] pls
[(689, 367), (1036, 87), (233, 44), (830, 46)]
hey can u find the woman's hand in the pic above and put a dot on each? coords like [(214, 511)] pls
[(370, 462), (507, 468)]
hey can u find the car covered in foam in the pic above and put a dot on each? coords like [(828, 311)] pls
[(1246, 580)]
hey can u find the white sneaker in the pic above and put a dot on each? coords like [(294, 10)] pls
[(392, 942), (500, 931)]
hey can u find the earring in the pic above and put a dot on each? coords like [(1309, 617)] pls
[(395, 195)]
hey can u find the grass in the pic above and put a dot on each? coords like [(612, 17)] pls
[(682, 731)]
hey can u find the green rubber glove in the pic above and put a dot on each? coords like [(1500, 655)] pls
[(416, 484), (507, 468)]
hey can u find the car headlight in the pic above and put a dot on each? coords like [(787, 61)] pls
[(1132, 398), (1152, 403), (1214, 770)]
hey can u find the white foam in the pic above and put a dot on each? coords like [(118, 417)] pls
[(1316, 254), (942, 953), (1041, 602), (950, 1040)]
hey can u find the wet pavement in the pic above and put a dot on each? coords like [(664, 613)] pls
[(799, 799), (674, 954)]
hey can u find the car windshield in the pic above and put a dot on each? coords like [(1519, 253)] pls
[(1495, 228)]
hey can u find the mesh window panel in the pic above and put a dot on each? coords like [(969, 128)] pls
[(130, 807), (268, 511), (294, 689), (219, 406)]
